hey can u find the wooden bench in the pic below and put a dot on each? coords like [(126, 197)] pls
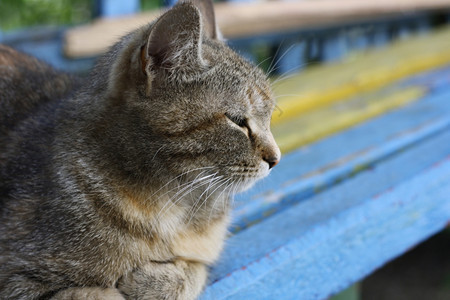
[(335, 210)]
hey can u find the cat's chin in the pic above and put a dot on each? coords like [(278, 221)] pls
[(248, 183)]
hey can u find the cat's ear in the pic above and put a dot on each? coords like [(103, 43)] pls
[(175, 38), (206, 8)]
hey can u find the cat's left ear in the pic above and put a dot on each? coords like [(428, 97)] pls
[(175, 40), (206, 8)]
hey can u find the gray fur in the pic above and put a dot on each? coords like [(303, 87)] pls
[(120, 188)]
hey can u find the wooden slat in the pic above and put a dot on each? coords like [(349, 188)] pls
[(248, 19), (311, 169), (323, 85), (340, 116), (331, 241), (319, 246)]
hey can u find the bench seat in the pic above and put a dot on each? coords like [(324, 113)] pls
[(368, 182), (334, 211), (360, 73)]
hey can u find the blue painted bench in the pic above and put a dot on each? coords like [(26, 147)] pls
[(334, 211)]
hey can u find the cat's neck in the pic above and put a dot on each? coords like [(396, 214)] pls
[(191, 203), (151, 205)]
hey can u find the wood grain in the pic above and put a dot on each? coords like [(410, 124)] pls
[(341, 116), (334, 211), (313, 168), (327, 243), (362, 72)]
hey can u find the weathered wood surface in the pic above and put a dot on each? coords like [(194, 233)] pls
[(360, 73), (329, 242), (249, 19), (342, 115), (334, 211), (313, 168)]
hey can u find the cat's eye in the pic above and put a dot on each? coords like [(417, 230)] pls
[(239, 121)]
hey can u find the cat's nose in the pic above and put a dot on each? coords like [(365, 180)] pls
[(271, 153), (272, 160)]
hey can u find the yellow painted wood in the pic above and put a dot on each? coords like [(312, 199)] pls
[(365, 71), (339, 116)]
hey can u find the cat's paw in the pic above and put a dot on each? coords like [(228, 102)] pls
[(179, 281), (90, 293)]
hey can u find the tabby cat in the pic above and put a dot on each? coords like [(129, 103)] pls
[(120, 189)]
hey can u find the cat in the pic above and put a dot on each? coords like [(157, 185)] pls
[(120, 187)]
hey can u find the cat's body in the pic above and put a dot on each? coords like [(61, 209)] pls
[(121, 189)]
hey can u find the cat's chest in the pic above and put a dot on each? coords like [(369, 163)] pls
[(172, 236), (184, 243), (202, 245)]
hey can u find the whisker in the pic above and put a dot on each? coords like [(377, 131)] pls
[(182, 186), (282, 78), (205, 191), (182, 174), (189, 187), (263, 61), (206, 199), (280, 58), (157, 151), (289, 95), (273, 58), (293, 68), (233, 189), (226, 183), (288, 74)]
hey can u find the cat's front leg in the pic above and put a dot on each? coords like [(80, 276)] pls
[(89, 293), (178, 280)]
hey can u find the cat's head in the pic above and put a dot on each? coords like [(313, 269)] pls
[(199, 108)]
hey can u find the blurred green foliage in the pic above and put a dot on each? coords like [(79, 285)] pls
[(23, 13), (150, 4)]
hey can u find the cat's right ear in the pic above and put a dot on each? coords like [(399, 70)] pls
[(175, 41)]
